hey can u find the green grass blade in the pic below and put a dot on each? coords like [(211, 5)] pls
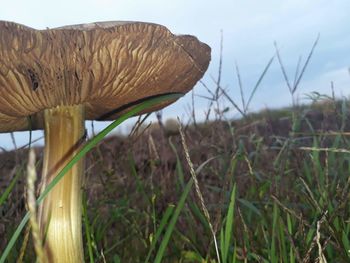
[(229, 225), (198, 214), (85, 149), (179, 169), (191, 256), (172, 223), (234, 258), (163, 222), (346, 243), (8, 190), (273, 253), (140, 187), (250, 206), (87, 230), (222, 243), (89, 145)]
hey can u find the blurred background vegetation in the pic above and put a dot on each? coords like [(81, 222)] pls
[(271, 186)]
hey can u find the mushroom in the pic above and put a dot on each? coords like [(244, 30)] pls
[(55, 79)]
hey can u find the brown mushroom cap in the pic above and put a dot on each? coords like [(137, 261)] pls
[(104, 66)]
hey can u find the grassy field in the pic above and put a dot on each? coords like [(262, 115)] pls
[(272, 187)]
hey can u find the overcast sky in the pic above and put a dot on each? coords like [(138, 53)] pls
[(249, 31)]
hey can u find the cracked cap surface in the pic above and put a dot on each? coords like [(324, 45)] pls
[(103, 66)]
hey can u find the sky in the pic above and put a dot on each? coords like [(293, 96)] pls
[(249, 29)]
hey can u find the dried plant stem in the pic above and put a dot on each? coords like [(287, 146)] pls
[(316, 204), (315, 240), (198, 191), (31, 200), (334, 150), (289, 211), (321, 257)]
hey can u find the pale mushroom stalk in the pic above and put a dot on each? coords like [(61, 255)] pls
[(60, 77), (60, 212)]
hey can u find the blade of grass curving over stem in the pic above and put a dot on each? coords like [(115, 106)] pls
[(89, 145), (85, 149), (172, 222)]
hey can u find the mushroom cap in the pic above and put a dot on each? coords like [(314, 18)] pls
[(106, 66)]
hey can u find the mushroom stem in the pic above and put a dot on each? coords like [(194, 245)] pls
[(60, 212)]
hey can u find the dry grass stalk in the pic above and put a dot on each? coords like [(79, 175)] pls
[(289, 211), (334, 150), (198, 191), (311, 194), (103, 256), (31, 201), (314, 241), (321, 257)]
